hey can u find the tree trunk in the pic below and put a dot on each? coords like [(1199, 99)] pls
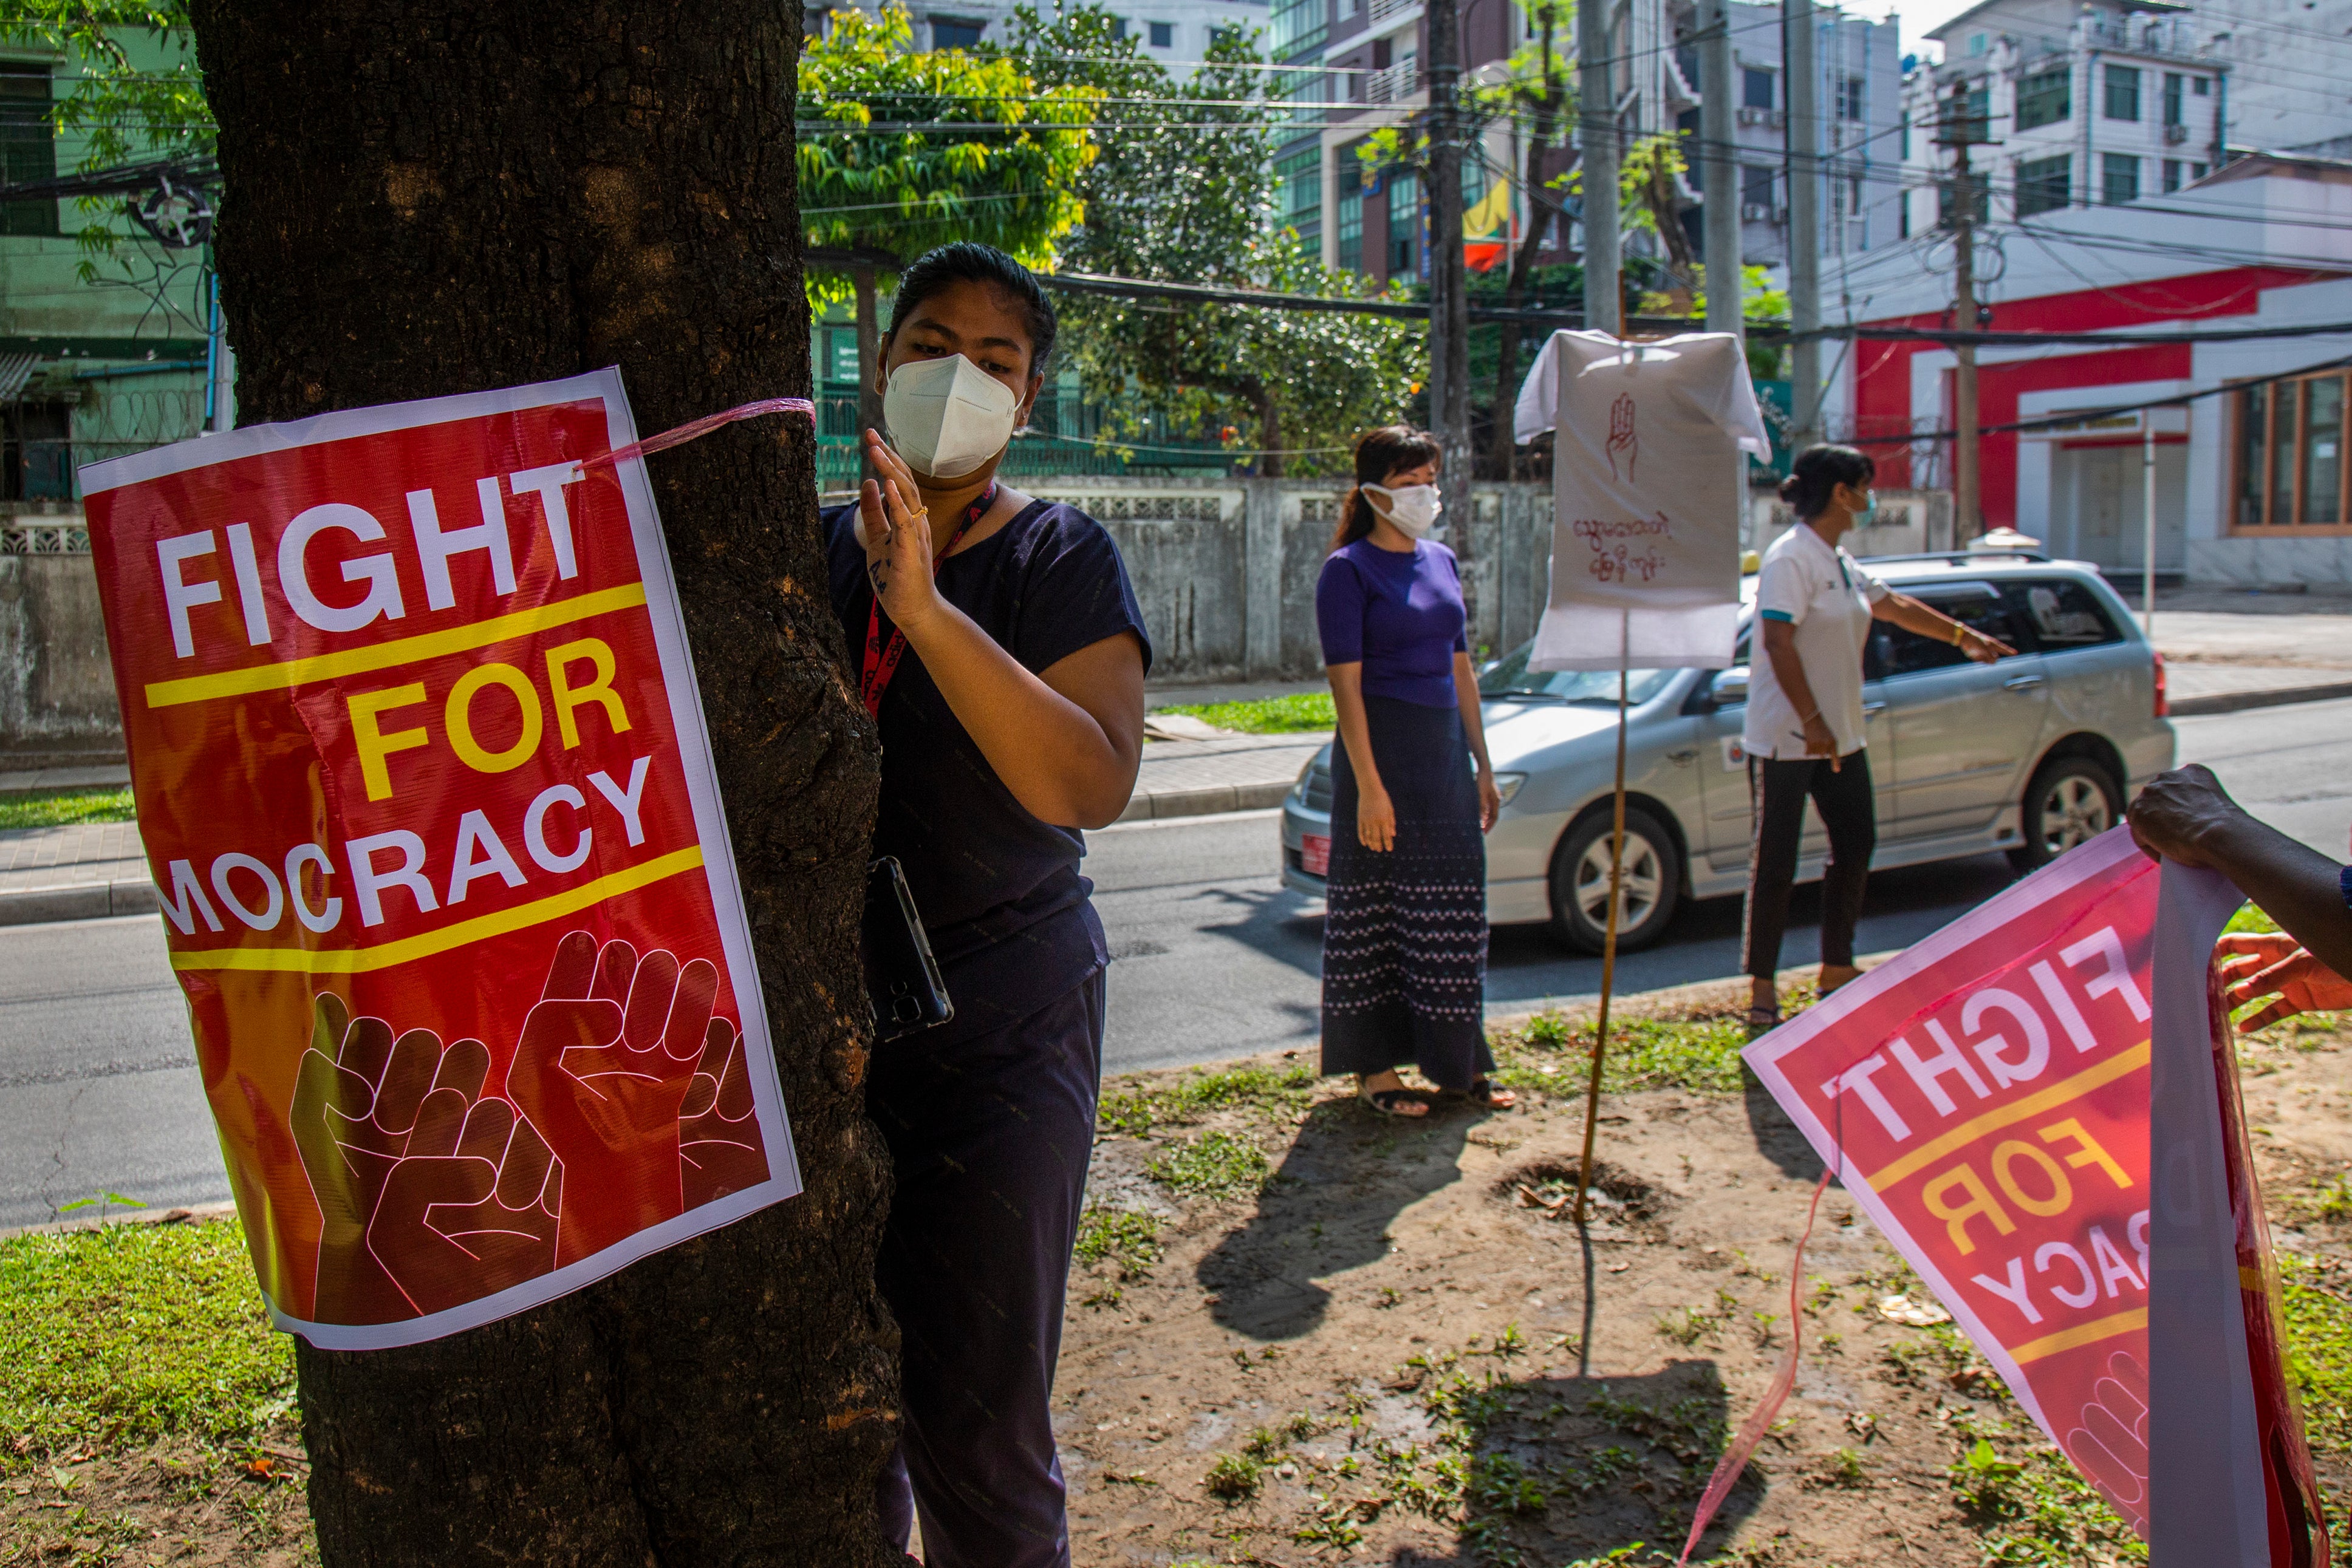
[(428, 196), (1269, 432)]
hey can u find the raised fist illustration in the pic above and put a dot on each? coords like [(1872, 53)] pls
[(2110, 1444), (718, 1129), (1622, 438), (471, 1208), (376, 1120), (604, 1065)]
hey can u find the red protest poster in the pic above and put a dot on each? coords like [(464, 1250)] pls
[(424, 783), (1984, 1098)]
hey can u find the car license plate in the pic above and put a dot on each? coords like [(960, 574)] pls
[(1315, 855)]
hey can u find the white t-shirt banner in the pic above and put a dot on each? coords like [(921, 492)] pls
[(1647, 473)]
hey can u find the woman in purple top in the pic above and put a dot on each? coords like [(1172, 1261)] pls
[(1404, 929)]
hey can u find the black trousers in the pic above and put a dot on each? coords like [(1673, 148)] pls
[(1776, 793), (990, 1137)]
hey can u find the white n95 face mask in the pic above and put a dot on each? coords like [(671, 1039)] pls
[(1412, 507), (947, 416)]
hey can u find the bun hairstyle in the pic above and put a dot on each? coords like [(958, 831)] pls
[(968, 262), (1379, 454), (1818, 472)]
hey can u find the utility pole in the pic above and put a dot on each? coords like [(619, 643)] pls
[(1596, 137), (1449, 297), (1720, 170), (1959, 132), (1803, 145)]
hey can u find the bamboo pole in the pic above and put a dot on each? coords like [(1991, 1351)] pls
[(1608, 946)]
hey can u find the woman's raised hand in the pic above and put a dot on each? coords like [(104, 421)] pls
[(898, 539)]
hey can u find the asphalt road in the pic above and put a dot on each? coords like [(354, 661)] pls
[(99, 1091)]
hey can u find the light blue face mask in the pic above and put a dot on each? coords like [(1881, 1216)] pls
[(1870, 509)]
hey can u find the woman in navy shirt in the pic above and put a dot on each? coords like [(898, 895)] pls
[(1001, 649), (1405, 932)]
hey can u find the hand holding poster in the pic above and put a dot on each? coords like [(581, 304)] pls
[(1986, 1096), (422, 778), (1646, 475)]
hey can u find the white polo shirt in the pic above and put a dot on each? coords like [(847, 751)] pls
[(1815, 587)]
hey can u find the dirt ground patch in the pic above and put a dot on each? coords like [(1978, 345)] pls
[(1301, 1332), (1400, 1353)]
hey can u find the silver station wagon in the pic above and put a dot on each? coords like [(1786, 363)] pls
[(2031, 755)]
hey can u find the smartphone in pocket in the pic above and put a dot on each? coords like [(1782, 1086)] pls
[(902, 978)]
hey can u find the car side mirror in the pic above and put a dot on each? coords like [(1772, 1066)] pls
[(1730, 686)]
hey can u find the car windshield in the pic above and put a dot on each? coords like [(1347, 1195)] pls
[(1510, 677)]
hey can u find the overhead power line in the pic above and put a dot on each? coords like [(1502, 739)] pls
[(2086, 415)]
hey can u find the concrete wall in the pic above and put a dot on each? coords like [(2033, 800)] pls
[(1910, 522), (1225, 570), (56, 689)]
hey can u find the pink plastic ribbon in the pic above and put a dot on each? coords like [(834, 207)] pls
[(685, 432), (1743, 1446)]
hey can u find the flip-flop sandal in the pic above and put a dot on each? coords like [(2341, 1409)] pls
[(1388, 1101)]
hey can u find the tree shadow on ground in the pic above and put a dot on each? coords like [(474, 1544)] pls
[(1350, 1172), (1562, 1468)]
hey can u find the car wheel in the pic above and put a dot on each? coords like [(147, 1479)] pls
[(1652, 885), (2071, 800)]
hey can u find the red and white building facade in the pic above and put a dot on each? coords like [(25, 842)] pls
[(2252, 482)]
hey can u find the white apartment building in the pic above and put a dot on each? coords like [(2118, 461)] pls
[(2084, 102)]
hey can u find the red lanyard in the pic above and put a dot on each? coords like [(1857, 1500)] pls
[(882, 658)]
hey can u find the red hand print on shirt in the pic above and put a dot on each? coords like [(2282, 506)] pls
[(1621, 437)]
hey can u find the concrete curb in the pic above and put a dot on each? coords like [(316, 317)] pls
[(76, 901), (2238, 701), (180, 1214), (1211, 801)]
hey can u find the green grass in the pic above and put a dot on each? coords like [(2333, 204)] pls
[(2319, 1347), (63, 808), (1266, 715), (133, 1333), (1700, 1054), (1121, 1236), (1214, 1166), (2250, 918), (1197, 1094)]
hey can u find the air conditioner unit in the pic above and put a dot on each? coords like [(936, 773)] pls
[(2174, 135), (1754, 115), (1758, 213)]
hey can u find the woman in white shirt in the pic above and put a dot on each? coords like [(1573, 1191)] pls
[(1803, 732)]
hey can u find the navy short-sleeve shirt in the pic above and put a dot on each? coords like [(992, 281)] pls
[(999, 891)]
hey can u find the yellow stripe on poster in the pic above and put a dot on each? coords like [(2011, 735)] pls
[(388, 655), (408, 949), (2090, 1332), (2116, 1066)]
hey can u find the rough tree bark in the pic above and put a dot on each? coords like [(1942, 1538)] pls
[(432, 196)]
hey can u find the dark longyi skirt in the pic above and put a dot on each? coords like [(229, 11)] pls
[(1404, 931)]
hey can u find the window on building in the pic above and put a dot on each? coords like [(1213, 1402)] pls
[(1348, 175), (1755, 183), (1978, 111), (2173, 83), (2204, 85), (2118, 178), (1295, 26), (1404, 225), (2195, 172), (1979, 43), (1756, 87), (2045, 98), (37, 449), (2290, 454), (1299, 179), (2123, 92), (28, 148), (2171, 175), (1850, 98), (1163, 35), (2041, 184), (1903, 128), (955, 33)]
